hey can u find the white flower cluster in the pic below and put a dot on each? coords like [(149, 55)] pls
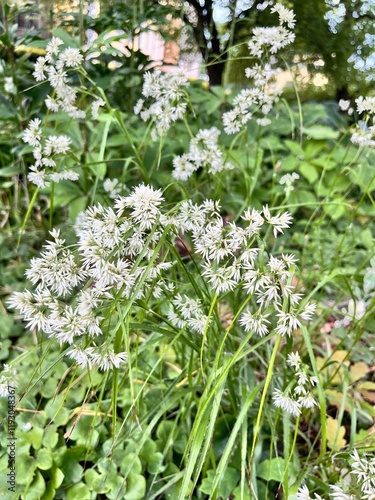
[(8, 378), (364, 468), (264, 43), (54, 66), (365, 105), (74, 288), (262, 75), (355, 310), (9, 86), (203, 152), (48, 155), (287, 181), (166, 100), (364, 134), (188, 313), (364, 488), (273, 38), (304, 494), (95, 107), (230, 260), (344, 105), (298, 394), (103, 270), (112, 187), (49, 152)]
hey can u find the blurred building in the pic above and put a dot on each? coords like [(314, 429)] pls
[(167, 55)]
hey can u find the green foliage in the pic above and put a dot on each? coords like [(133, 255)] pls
[(191, 416)]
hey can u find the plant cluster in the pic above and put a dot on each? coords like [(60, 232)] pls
[(199, 287)]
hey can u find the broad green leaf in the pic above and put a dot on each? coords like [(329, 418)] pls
[(100, 484), (34, 436), (55, 410), (148, 449), (237, 493), (303, 197), (4, 349), (77, 206), (164, 434), (37, 488), (131, 462), (313, 148), (71, 469), (321, 190), (4, 485), (84, 433), (180, 441), (226, 486), (25, 467), (10, 171), (135, 487), (366, 438), (153, 458), (369, 281), (336, 209), (79, 490), (50, 493), (294, 148), (363, 175), (107, 466), (309, 172), (49, 387), (320, 132), (38, 43), (97, 482), (155, 463), (271, 470), (367, 241), (44, 459), (57, 477), (324, 162), (117, 488), (66, 192), (65, 37), (337, 183)]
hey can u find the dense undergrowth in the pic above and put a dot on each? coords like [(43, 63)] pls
[(200, 323)]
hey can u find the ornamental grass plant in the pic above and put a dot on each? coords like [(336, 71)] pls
[(197, 285)]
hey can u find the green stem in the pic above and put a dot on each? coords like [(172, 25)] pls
[(213, 303), (81, 25), (264, 394), (135, 151), (103, 145), (285, 475), (29, 208), (321, 395), (51, 205)]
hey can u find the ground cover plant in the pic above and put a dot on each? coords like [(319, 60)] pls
[(196, 279)]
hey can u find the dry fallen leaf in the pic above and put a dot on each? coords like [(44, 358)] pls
[(335, 435)]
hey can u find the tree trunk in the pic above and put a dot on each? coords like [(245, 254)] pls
[(213, 54), (215, 71), (342, 93)]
